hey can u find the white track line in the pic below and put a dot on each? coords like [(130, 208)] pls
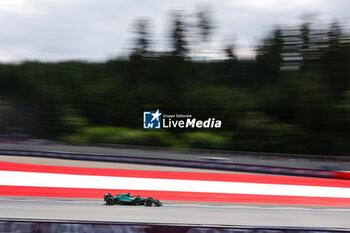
[(104, 182)]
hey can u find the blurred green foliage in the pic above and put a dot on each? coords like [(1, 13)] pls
[(294, 97), (3, 109)]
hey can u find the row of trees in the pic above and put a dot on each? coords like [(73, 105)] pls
[(294, 97), (185, 30)]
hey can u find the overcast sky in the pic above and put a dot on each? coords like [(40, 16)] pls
[(97, 30)]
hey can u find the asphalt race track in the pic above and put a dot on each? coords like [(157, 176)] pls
[(11, 208), (191, 214)]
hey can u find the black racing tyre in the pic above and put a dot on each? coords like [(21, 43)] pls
[(110, 201), (149, 202)]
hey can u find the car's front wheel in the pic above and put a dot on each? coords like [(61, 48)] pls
[(148, 202), (110, 201)]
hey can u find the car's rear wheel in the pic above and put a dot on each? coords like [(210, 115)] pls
[(110, 201), (148, 202), (106, 196)]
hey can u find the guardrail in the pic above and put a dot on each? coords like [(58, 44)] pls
[(36, 226), (175, 162), (318, 157)]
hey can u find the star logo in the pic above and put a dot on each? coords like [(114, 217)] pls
[(156, 115)]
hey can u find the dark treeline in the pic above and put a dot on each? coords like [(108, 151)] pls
[(294, 97)]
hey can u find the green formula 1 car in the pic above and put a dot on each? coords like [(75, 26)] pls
[(127, 199)]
